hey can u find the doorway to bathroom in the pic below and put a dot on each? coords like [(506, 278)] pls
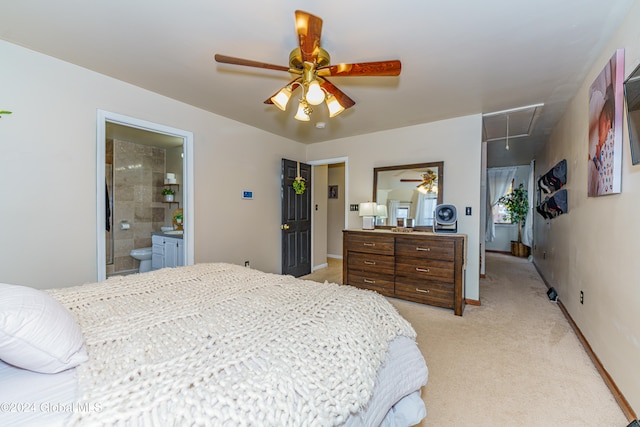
[(138, 163)]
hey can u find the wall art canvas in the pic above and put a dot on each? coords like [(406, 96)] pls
[(606, 104)]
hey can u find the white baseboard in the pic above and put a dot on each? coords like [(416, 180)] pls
[(334, 256), (320, 267)]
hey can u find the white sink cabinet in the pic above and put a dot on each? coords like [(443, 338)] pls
[(167, 252)]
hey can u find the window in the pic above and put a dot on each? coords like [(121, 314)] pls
[(500, 211), (402, 212)]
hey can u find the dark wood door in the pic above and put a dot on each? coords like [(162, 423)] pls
[(296, 220)]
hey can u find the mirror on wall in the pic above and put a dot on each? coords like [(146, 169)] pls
[(407, 191), (632, 96)]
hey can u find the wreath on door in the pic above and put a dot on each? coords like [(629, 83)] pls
[(298, 183)]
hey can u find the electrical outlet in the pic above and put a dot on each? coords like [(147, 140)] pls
[(246, 264), (581, 297)]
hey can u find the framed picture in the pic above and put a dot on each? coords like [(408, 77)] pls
[(606, 104), (333, 191)]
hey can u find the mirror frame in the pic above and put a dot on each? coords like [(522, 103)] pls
[(439, 165)]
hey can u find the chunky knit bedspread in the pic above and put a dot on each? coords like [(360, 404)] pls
[(219, 344)]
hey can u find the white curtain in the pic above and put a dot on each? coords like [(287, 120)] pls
[(425, 205), (392, 207), (527, 230), (498, 181)]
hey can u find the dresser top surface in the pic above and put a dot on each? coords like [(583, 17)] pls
[(402, 233)]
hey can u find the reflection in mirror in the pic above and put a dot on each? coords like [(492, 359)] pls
[(632, 96), (407, 191)]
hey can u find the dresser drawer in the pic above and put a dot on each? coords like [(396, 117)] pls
[(426, 292), (370, 243), (380, 283), (374, 263), (425, 269), (443, 249)]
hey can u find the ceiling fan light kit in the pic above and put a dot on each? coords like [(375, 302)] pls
[(429, 183), (333, 105), (311, 64), (303, 111), (281, 99)]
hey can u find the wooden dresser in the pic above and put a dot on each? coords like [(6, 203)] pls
[(420, 266)]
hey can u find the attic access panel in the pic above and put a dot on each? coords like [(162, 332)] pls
[(521, 122)]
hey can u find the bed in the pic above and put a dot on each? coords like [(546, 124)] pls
[(209, 344)]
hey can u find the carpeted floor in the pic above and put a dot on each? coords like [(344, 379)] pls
[(512, 361)]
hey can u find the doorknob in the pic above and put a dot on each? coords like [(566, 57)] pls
[(284, 226)]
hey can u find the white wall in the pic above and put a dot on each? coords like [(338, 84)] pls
[(594, 247), (457, 142), (48, 162)]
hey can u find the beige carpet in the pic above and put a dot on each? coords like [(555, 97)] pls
[(514, 361)]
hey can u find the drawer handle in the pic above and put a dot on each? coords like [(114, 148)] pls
[(369, 244), (423, 249), (369, 281), (370, 262), (424, 291), (422, 270)]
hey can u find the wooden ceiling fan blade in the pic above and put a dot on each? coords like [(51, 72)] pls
[(342, 98), (269, 101), (248, 63), (309, 29), (378, 68)]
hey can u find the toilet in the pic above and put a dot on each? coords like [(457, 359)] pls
[(144, 255)]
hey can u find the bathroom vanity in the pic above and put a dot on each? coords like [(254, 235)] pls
[(167, 250)]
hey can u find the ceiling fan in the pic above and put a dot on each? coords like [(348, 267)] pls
[(311, 64)]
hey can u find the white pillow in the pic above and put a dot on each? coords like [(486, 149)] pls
[(36, 331)]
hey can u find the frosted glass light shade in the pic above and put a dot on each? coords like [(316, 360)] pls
[(281, 99), (334, 106), (315, 95), (301, 115)]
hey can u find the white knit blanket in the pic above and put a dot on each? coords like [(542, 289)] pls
[(219, 344)]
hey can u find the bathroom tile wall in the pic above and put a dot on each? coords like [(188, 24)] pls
[(138, 182)]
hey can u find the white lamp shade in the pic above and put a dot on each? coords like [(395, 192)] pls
[(367, 209), (381, 211)]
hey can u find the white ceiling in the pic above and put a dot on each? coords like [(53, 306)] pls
[(459, 57)]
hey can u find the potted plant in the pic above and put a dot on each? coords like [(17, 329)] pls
[(177, 219), (517, 205), (168, 194)]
